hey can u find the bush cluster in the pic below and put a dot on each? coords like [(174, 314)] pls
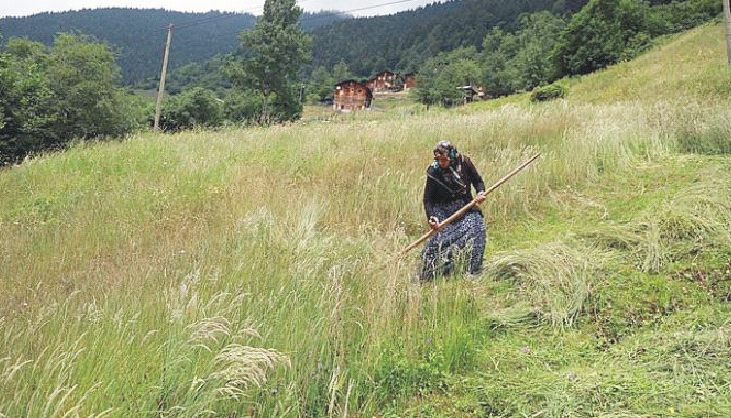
[(549, 92), (51, 95)]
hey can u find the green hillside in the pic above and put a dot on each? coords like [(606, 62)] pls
[(682, 67), (138, 35), (253, 272)]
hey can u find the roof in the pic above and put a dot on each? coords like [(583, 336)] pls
[(349, 81), (369, 92), (472, 88)]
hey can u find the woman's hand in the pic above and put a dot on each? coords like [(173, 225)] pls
[(434, 223), (480, 197)]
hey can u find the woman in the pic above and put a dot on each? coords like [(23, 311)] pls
[(448, 188)]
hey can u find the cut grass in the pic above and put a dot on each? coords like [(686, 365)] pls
[(556, 279), (696, 220)]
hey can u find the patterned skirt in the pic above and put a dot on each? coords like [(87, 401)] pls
[(466, 236)]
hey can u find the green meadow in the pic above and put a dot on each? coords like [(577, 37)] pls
[(255, 272)]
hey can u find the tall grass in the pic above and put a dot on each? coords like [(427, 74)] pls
[(235, 272)]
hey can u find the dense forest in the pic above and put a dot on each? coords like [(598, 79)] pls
[(138, 36), (403, 41), (400, 42)]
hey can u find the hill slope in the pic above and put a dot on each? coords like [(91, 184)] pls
[(232, 273), (682, 67)]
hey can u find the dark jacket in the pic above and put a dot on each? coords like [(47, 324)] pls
[(442, 186)]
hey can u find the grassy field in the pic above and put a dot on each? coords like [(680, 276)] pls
[(253, 272)]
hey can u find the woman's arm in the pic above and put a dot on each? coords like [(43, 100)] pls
[(475, 177), (429, 197)]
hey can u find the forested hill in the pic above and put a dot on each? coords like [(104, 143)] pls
[(367, 45), (138, 35), (404, 40)]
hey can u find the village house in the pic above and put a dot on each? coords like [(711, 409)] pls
[(469, 93), (383, 82), (352, 95), (409, 81)]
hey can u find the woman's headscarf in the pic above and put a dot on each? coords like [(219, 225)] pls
[(445, 148), (451, 177)]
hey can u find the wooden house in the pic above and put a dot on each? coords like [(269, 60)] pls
[(481, 93), (352, 95), (409, 81), (469, 93), (384, 81)]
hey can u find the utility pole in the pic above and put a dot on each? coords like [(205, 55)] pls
[(163, 74), (727, 15)]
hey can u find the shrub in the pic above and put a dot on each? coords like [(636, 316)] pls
[(242, 107), (52, 95), (192, 108), (549, 92)]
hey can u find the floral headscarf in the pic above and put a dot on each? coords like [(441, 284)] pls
[(446, 149), (450, 178)]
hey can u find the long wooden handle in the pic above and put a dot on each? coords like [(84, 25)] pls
[(458, 214)]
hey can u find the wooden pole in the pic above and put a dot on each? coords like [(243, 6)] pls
[(163, 74), (468, 206), (727, 16)]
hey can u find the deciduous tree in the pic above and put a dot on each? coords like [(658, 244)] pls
[(441, 77), (605, 32), (276, 49)]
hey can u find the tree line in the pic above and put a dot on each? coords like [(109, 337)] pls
[(403, 41), (365, 45)]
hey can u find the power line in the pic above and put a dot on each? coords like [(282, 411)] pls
[(319, 15), (211, 19), (324, 15), (377, 6), (223, 16)]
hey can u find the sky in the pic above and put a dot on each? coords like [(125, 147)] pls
[(24, 8)]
